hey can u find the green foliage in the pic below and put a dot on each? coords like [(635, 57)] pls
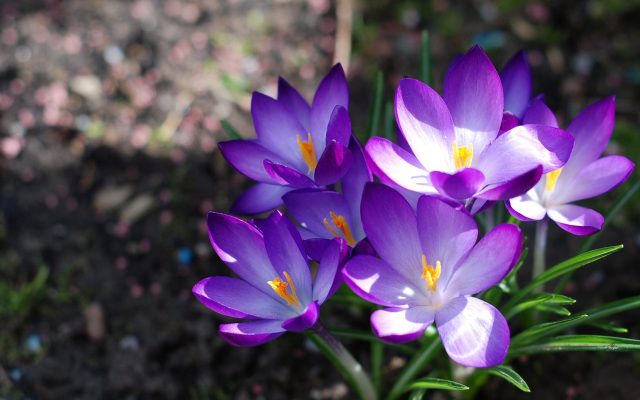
[(436, 383), (230, 130), (18, 302), (578, 343), (509, 375)]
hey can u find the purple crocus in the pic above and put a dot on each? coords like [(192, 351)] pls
[(456, 147), (274, 290), (297, 146), (429, 267), (584, 176)]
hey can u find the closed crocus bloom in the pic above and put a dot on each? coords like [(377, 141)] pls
[(584, 176), (456, 148), (274, 291), (429, 265), (297, 145)]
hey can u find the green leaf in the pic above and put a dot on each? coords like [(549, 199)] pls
[(389, 120), (543, 330), (374, 127), (579, 343), (425, 58), (540, 299), (230, 130), (608, 326), (559, 310), (437, 383), (509, 375), (418, 394), (367, 336)]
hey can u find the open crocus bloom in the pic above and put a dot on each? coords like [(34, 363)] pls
[(456, 147), (297, 146), (275, 290), (429, 266), (585, 175)]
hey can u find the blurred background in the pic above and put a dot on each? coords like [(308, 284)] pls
[(110, 115)]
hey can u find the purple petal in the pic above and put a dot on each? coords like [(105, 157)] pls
[(327, 278), (426, 124), (473, 92), (577, 220), (259, 198), (311, 206), (286, 253), (332, 92), (315, 247), (236, 298), (398, 166), (512, 188), (539, 113), (241, 246), (377, 282), (390, 225), (593, 180), (364, 247), (526, 208), (509, 121), (303, 321), (292, 100), (353, 184), (401, 325), (287, 176), (488, 262), (333, 164), (247, 156), (516, 83), (521, 150), (446, 234), (339, 127), (460, 185), (473, 332), (251, 333)]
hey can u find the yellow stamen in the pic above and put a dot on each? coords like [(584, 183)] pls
[(308, 152), (280, 287), (552, 179), (430, 274), (340, 222), (462, 155)]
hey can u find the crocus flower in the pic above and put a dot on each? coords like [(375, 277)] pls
[(274, 290), (456, 147), (297, 146), (429, 266), (584, 176)]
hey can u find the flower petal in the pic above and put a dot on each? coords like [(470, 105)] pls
[(292, 100), (473, 332), (514, 187), (236, 298), (526, 207), (247, 156), (311, 206), (488, 262), (332, 92), (259, 198), (396, 165), (328, 278), (539, 113), (287, 176), (516, 83), (353, 184), (577, 220), (401, 325), (251, 333), (377, 282), (333, 164), (509, 121), (303, 321), (522, 149), (473, 93), (339, 127), (460, 185), (425, 123)]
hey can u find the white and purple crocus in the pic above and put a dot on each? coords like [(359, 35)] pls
[(275, 291), (457, 148), (428, 267)]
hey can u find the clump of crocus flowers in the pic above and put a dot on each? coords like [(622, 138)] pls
[(395, 221)]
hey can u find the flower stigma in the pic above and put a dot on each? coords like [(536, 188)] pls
[(308, 152), (462, 155), (431, 274), (280, 287), (340, 222), (552, 179)]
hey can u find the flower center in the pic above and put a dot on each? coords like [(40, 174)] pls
[(462, 155), (340, 223), (308, 152), (431, 274), (286, 290), (552, 179)]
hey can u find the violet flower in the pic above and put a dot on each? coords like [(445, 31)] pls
[(429, 266), (584, 176), (297, 145), (275, 291), (457, 151)]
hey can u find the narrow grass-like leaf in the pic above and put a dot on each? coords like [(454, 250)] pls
[(608, 326), (367, 336), (425, 58), (543, 330), (413, 368), (554, 309), (230, 130), (374, 126), (418, 394), (437, 383), (540, 299), (509, 375), (578, 343), (389, 120)]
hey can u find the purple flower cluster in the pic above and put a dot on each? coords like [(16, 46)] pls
[(408, 243)]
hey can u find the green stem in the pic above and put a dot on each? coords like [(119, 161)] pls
[(350, 369), (417, 363), (377, 359), (540, 249)]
